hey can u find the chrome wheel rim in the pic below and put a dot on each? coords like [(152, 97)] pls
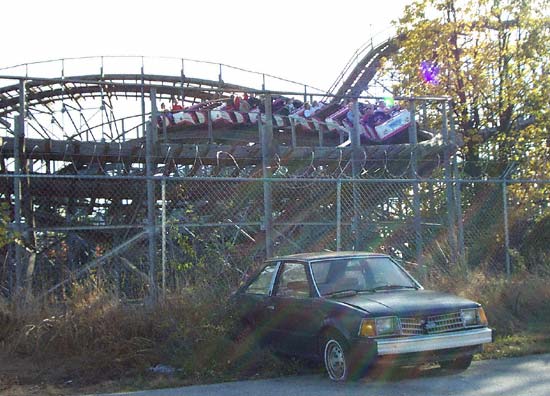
[(335, 361)]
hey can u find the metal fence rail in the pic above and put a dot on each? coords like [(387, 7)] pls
[(139, 234)]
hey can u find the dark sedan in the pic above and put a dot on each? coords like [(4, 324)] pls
[(352, 309)]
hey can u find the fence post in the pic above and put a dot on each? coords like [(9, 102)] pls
[(19, 136), (266, 137), (163, 228), (355, 170), (338, 215), (413, 142), (461, 251), (506, 230), (150, 209), (448, 185)]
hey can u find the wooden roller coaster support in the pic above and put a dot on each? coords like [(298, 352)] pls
[(142, 89)]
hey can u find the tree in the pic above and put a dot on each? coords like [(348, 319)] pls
[(491, 57)]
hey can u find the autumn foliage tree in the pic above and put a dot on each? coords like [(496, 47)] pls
[(491, 57)]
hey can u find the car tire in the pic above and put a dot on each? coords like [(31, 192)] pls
[(336, 357), (460, 363)]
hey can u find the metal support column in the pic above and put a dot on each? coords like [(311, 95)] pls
[(163, 230), (150, 209), (355, 171), (338, 215), (413, 142), (506, 231), (266, 137), (449, 185), (17, 217), (461, 251)]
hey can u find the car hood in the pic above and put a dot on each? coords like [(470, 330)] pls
[(407, 302)]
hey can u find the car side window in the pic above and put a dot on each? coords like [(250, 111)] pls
[(262, 284), (293, 281)]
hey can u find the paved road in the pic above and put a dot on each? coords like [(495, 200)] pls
[(529, 376)]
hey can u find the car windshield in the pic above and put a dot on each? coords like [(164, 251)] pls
[(359, 274)]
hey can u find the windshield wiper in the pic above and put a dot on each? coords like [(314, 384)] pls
[(342, 293), (392, 287)]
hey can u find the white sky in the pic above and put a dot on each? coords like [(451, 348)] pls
[(303, 40)]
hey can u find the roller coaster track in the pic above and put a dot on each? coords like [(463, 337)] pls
[(45, 91), (361, 69)]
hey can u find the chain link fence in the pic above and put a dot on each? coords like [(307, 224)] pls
[(107, 230)]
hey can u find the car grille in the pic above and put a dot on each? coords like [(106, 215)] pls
[(431, 324)]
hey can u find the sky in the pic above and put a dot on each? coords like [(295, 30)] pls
[(306, 41)]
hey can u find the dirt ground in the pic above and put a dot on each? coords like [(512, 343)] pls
[(25, 377), (20, 377)]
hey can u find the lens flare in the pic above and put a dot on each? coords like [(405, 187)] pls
[(430, 72)]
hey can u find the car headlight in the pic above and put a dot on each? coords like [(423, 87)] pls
[(388, 325), (474, 317)]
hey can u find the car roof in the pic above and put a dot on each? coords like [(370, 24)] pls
[(313, 256)]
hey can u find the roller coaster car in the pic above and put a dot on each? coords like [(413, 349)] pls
[(390, 129), (335, 120), (308, 124), (184, 118), (195, 115), (224, 116)]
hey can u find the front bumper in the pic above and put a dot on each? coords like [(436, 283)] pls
[(433, 342)]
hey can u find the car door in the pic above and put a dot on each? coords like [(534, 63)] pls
[(293, 324), (254, 300)]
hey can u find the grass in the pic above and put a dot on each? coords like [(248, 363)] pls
[(522, 344), (94, 342)]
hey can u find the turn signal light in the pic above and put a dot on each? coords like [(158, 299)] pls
[(367, 328), (482, 317)]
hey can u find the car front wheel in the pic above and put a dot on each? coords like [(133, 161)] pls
[(336, 358)]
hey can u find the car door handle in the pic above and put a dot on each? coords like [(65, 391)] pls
[(271, 307)]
